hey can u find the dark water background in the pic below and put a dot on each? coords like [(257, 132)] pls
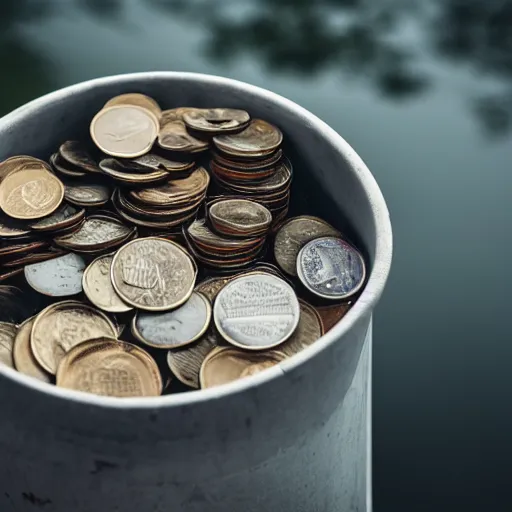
[(423, 91)]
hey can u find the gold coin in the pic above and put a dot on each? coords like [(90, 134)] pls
[(239, 217), (18, 163), (294, 235), (7, 335), (175, 328), (258, 139), (174, 190), (185, 363), (98, 286), (61, 326), (226, 364), (173, 136), (125, 131), (31, 193), (24, 360), (137, 99), (309, 330), (216, 120), (110, 367), (153, 274)]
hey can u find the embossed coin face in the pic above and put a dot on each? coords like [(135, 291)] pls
[(97, 231), (7, 335), (18, 163), (24, 360), (109, 367), (256, 311), (309, 330), (258, 139), (61, 326), (82, 194), (58, 277), (216, 120), (239, 216), (126, 131), (296, 233), (228, 364), (66, 215), (185, 363), (173, 136), (31, 193), (98, 286), (331, 268), (176, 328), (153, 274)]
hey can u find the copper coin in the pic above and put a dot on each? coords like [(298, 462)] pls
[(331, 268), (212, 286), (256, 311), (296, 233), (31, 193), (35, 257), (153, 274), (77, 155), (216, 120), (244, 164), (173, 136), (109, 367), (331, 315), (176, 328), (7, 334), (98, 287), (185, 363), (82, 194), (61, 326), (259, 138), (12, 228), (228, 364), (137, 99), (57, 277), (126, 131), (24, 360), (309, 330)]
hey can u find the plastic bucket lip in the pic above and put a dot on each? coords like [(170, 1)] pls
[(377, 275)]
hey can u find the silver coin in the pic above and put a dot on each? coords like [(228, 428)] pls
[(59, 277), (256, 311), (175, 328), (331, 268)]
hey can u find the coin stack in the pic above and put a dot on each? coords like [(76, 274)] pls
[(153, 277)]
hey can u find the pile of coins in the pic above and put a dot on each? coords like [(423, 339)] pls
[(161, 254)]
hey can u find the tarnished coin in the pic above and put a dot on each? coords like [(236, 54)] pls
[(309, 330), (112, 168), (331, 315), (98, 286), (296, 233), (212, 286), (153, 274), (7, 334), (31, 193), (175, 328), (24, 360), (173, 136), (82, 194), (64, 168), (58, 277), (126, 131), (61, 326), (174, 114), (216, 120), (97, 232), (7, 274), (256, 311), (137, 99), (66, 215), (185, 363), (12, 228), (239, 217), (7, 248), (228, 364), (258, 139), (331, 268), (34, 257), (174, 191), (76, 154), (110, 367)]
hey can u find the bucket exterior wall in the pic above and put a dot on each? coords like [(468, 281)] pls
[(292, 438)]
